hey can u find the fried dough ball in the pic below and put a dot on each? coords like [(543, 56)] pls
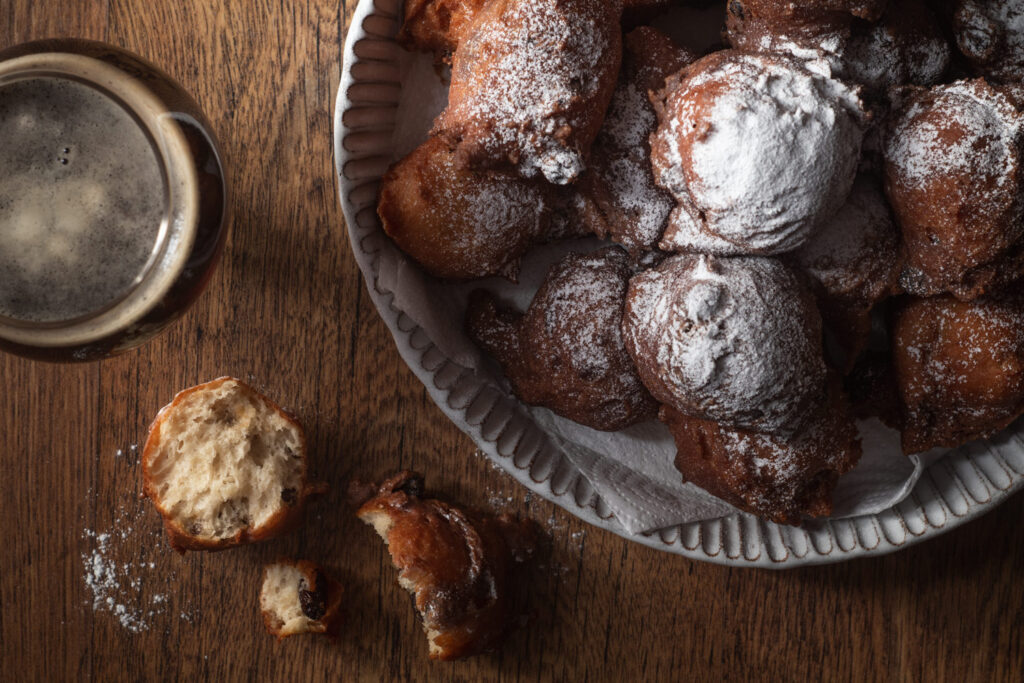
[(758, 25), (530, 85), (757, 150), (437, 26), (990, 33), (763, 26), (566, 353), (953, 176), (462, 566), (960, 368), (906, 46), (778, 478), (457, 223), (854, 263), (618, 196), (735, 340)]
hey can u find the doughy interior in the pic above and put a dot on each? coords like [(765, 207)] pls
[(279, 598), (382, 523), (226, 461)]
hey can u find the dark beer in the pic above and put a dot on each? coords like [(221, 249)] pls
[(112, 200)]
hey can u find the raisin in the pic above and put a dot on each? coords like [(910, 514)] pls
[(314, 602), (736, 9), (289, 496)]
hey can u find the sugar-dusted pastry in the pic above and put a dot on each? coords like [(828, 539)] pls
[(854, 263), (618, 194), (566, 353), (298, 597), (225, 466), (437, 25), (757, 151), (906, 47), (462, 567), (530, 85), (990, 33), (734, 340), (768, 26), (778, 478), (960, 368), (954, 178), (458, 223)]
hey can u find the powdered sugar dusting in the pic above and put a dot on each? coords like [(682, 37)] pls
[(626, 170), (991, 33), (541, 57), (925, 145), (730, 340), (585, 293), (905, 47), (499, 209), (124, 589), (773, 154), (854, 255)]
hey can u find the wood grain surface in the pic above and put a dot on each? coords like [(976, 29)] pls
[(288, 311)]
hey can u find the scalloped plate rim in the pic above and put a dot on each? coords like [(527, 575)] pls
[(390, 315)]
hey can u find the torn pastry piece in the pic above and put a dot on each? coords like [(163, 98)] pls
[(566, 352), (619, 198), (530, 85), (778, 478), (298, 597), (437, 26), (960, 368), (953, 176), (225, 466), (854, 263), (757, 151), (461, 566), (458, 223), (990, 33), (733, 340)]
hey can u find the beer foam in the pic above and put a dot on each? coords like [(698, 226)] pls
[(82, 200)]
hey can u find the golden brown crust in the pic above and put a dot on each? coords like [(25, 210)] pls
[(617, 197), (532, 106), (960, 368), (457, 223), (437, 26), (460, 564), (782, 479), (281, 522), (323, 606), (954, 178), (853, 263), (566, 352)]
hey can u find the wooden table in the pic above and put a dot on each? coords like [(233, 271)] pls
[(288, 311)]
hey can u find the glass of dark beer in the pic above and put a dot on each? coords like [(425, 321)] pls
[(113, 200)]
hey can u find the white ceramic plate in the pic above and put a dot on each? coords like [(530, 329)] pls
[(962, 485)]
